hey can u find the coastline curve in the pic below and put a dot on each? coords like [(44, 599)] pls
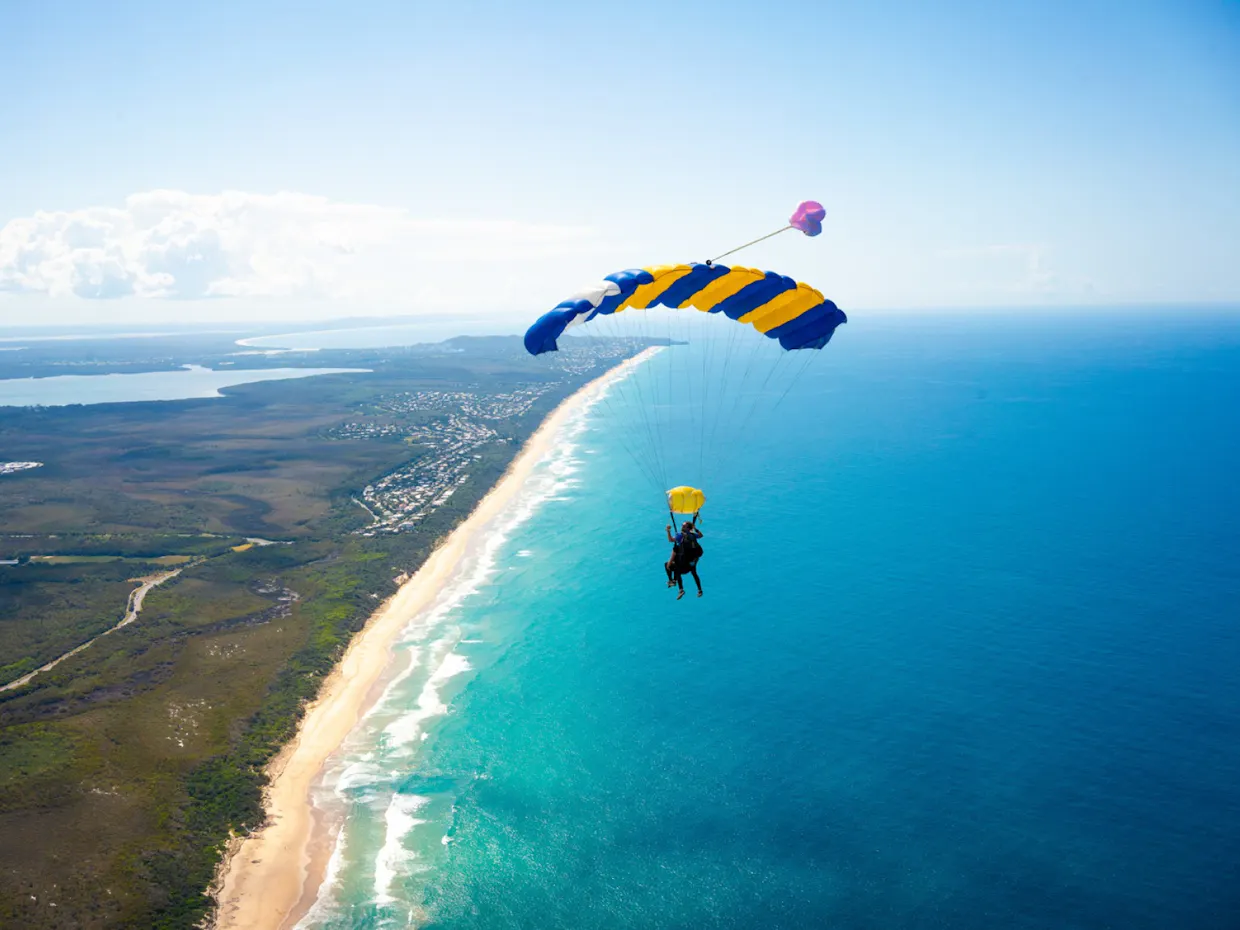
[(270, 879)]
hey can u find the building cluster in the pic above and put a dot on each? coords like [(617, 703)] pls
[(581, 359), (416, 401), (8, 468), (505, 406), (364, 430), (459, 405), (483, 406), (453, 438), (401, 498)]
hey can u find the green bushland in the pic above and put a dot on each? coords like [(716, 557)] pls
[(124, 770), (124, 545), (46, 610)]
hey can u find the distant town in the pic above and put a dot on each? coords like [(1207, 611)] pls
[(403, 497), (452, 439), (8, 468)]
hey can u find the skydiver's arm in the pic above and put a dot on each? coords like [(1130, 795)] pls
[(669, 534)]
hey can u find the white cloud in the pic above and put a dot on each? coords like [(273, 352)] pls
[(172, 244), (1011, 269), (1014, 273)]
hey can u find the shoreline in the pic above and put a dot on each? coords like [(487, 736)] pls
[(270, 879)]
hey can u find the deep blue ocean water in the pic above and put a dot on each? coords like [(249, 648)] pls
[(968, 657)]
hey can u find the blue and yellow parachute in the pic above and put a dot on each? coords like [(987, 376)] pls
[(773, 304)]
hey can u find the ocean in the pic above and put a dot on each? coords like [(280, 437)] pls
[(968, 654)]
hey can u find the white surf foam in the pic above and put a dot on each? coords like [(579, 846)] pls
[(399, 820), (324, 905), (359, 775), (406, 729)]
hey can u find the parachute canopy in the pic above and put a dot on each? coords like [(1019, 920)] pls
[(773, 304), (685, 499)]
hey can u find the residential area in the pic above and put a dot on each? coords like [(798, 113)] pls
[(401, 498), (452, 426)]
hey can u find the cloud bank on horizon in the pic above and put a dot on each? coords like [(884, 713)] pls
[(170, 244), (258, 249)]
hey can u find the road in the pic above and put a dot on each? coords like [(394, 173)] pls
[(136, 597)]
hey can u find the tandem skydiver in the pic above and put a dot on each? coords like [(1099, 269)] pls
[(686, 550)]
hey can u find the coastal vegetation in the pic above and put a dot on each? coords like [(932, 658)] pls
[(125, 769)]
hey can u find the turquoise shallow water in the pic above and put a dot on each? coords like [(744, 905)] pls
[(968, 657)]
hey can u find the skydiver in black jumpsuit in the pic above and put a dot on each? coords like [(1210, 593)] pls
[(685, 554)]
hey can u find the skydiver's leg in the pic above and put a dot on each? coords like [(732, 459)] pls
[(667, 566), (697, 580)]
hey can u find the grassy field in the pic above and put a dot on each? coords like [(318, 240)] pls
[(123, 770)]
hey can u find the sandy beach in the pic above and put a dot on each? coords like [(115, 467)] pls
[(270, 879)]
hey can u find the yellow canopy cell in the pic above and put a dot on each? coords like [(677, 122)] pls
[(685, 499)]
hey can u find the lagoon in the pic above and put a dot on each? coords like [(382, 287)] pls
[(192, 381)]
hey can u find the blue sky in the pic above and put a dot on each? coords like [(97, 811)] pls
[(479, 157)]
